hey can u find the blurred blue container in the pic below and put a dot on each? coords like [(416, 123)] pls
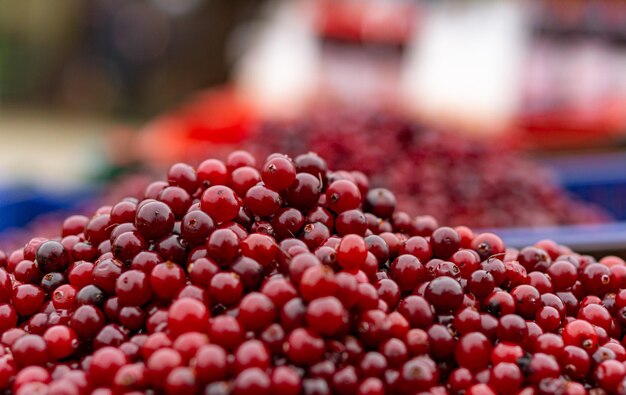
[(20, 204), (599, 179)]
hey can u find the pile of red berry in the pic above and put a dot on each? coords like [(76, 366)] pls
[(293, 279), (459, 180)]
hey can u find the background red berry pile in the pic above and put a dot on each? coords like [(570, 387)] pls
[(458, 180), (284, 277)]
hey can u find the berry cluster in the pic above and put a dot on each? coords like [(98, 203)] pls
[(479, 183), (292, 279)]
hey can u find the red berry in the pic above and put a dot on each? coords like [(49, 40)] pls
[(325, 315), (30, 350), (166, 280), (304, 347), (351, 252), (133, 288), (154, 220), (220, 203), (444, 293), (253, 381), (212, 172), (61, 341), (488, 245), (226, 288), (27, 299), (256, 311), (262, 201), (285, 380), (580, 333), (160, 364), (187, 315), (343, 195), (505, 377), (278, 173), (210, 363)]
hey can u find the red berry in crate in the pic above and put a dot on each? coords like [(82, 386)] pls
[(154, 219), (445, 242), (27, 299), (488, 245), (196, 226), (238, 159), (351, 252), (187, 315), (133, 288), (52, 257), (212, 172), (262, 201), (343, 195), (444, 293), (304, 192), (380, 202), (279, 173), (30, 350), (61, 341), (184, 176), (221, 203)]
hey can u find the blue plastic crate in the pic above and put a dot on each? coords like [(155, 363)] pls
[(581, 238), (20, 205), (598, 179)]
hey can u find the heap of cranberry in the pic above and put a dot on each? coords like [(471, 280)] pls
[(458, 180), (293, 279)]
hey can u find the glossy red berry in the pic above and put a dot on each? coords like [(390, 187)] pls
[(351, 252), (52, 257), (473, 351), (326, 315), (252, 381), (343, 195), (30, 350), (381, 202), (210, 363), (154, 220), (61, 341), (166, 280), (505, 377), (260, 247), (127, 245), (221, 203), (444, 293), (418, 374), (580, 333), (285, 380), (187, 315), (278, 173), (223, 246), (262, 201), (488, 245), (27, 299), (256, 311), (407, 271), (86, 321), (184, 176), (105, 363), (133, 288), (212, 172), (445, 242), (304, 347), (226, 288)]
